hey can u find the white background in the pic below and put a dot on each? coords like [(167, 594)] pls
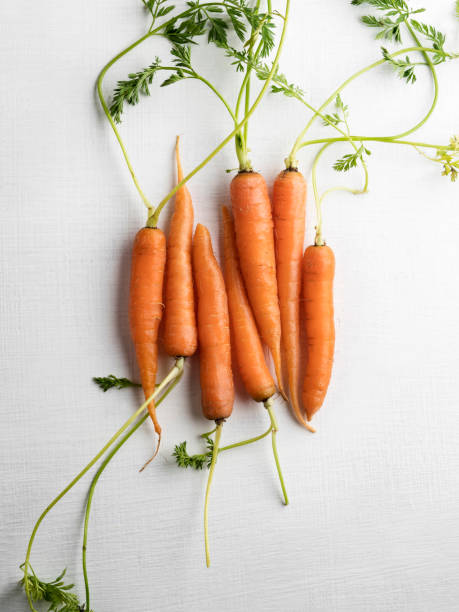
[(373, 521)]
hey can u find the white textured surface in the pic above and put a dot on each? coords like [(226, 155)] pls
[(373, 522)]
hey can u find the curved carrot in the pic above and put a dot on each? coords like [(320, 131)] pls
[(255, 243), (318, 273), (146, 307), (217, 389), (179, 331), (247, 345), (289, 209)]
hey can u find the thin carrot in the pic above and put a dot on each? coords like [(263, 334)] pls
[(289, 210), (217, 388), (179, 331), (247, 345), (146, 307), (318, 273), (255, 241)]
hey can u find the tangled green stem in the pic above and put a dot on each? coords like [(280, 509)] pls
[(169, 378), (98, 474), (154, 218), (291, 159)]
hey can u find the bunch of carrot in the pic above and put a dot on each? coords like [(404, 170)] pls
[(271, 292)]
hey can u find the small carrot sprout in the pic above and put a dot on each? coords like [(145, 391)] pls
[(111, 381)]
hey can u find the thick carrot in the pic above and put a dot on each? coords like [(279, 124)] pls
[(179, 331), (247, 346), (318, 273), (289, 209), (255, 242), (217, 389), (146, 306)]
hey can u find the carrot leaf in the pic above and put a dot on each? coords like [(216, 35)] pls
[(404, 67), (448, 157), (56, 592), (129, 90), (351, 160), (112, 381), (197, 462)]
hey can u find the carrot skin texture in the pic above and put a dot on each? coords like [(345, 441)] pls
[(247, 346), (318, 274), (255, 242), (179, 329), (289, 210), (217, 388), (146, 306)]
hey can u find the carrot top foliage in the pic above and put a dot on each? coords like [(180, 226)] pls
[(252, 30), (393, 21), (56, 592)]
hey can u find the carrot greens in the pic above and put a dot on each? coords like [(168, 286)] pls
[(252, 27), (393, 20)]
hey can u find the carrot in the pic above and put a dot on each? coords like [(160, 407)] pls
[(289, 209), (217, 388), (146, 307), (318, 273), (247, 345), (255, 243), (213, 329), (179, 331)]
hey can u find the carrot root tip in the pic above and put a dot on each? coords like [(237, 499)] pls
[(154, 454)]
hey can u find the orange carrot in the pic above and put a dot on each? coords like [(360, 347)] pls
[(179, 331), (255, 243), (247, 345), (289, 209), (318, 273), (146, 307), (217, 389)]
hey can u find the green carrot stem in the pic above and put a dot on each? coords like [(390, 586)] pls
[(169, 378), (244, 442), (106, 110), (108, 65), (383, 139), (164, 201), (241, 139), (218, 434), (98, 474), (274, 429), (291, 159)]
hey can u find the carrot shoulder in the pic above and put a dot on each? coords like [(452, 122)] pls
[(255, 243), (179, 331), (217, 389), (247, 346), (318, 274), (146, 307)]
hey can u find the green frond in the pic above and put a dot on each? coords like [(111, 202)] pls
[(111, 381)]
